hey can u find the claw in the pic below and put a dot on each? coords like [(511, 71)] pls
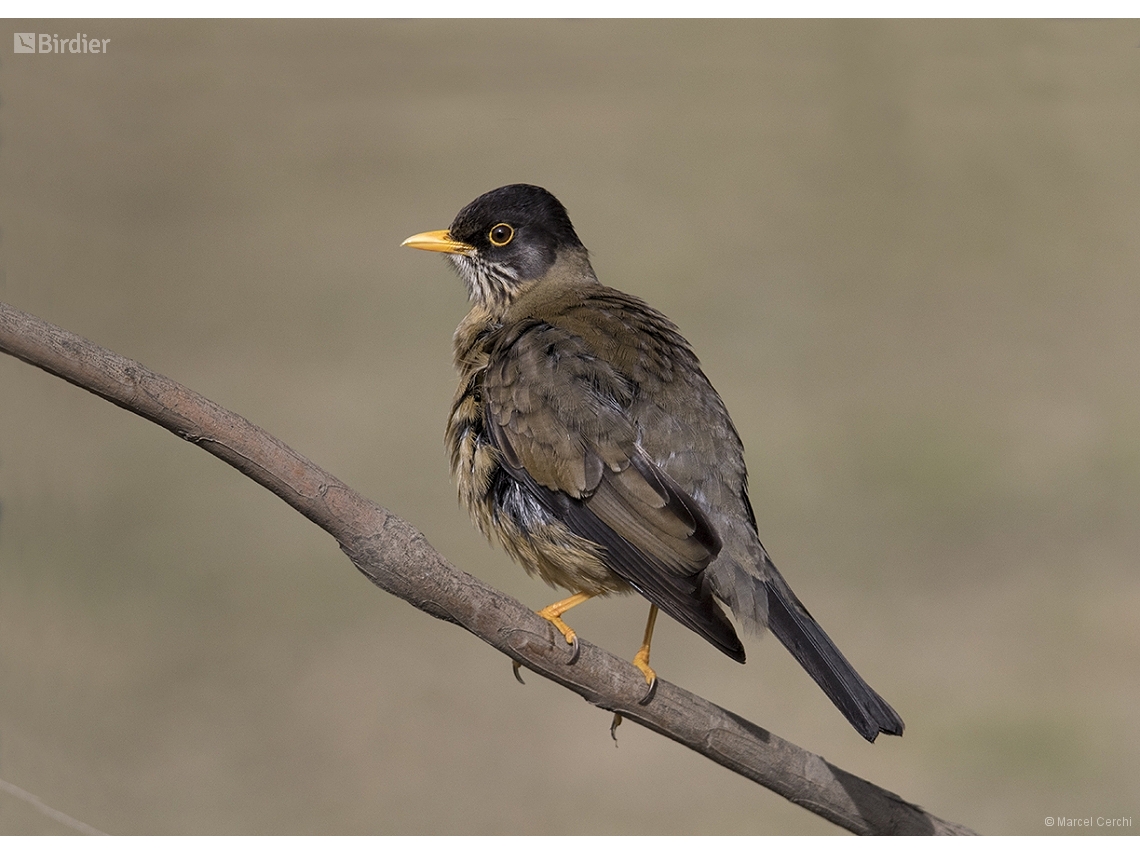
[(575, 650), (649, 693), (518, 675), (614, 727)]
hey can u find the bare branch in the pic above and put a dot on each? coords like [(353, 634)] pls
[(397, 558)]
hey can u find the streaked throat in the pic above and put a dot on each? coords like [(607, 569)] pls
[(490, 285)]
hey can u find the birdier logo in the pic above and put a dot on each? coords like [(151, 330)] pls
[(52, 43)]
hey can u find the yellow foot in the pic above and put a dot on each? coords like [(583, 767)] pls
[(554, 612), (567, 633), (560, 625), (641, 661)]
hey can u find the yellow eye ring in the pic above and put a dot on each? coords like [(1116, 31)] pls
[(501, 235)]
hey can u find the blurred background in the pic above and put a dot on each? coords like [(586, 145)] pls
[(908, 255)]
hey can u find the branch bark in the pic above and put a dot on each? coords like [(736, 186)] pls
[(398, 558)]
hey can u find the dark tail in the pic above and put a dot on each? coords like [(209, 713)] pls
[(797, 630)]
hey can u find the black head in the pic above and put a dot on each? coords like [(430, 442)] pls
[(503, 240)]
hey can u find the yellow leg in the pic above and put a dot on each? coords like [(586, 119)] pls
[(641, 660), (554, 612)]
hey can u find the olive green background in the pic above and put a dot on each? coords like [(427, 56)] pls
[(908, 254)]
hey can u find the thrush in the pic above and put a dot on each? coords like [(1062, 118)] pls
[(586, 439)]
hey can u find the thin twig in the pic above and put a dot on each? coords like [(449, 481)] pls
[(58, 815), (397, 558)]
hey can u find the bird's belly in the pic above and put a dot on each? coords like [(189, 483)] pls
[(506, 511)]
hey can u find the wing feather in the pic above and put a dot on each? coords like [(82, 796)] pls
[(560, 419)]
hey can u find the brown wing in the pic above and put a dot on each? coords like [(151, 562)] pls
[(560, 419)]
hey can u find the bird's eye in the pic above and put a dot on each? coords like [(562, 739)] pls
[(501, 234)]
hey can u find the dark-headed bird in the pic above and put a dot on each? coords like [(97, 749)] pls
[(585, 438)]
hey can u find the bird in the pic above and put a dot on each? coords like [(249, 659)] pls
[(585, 437)]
